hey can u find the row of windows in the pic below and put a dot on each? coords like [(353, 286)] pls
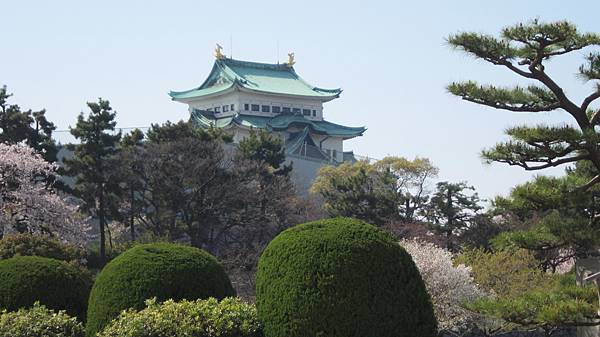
[(225, 108), (265, 108), (277, 109)]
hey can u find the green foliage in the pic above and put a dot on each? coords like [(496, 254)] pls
[(229, 317), (95, 262), (525, 49), (452, 209), (555, 301), (358, 190), (411, 177), (532, 147), (507, 273), (134, 138), (525, 296), (266, 148), (39, 322), (91, 165), (341, 277), (551, 218), (169, 132), (161, 270), (56, 284), (26, 126), (34, 245), (514, 99)]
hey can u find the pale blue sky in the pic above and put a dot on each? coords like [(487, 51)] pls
[(390, 58)]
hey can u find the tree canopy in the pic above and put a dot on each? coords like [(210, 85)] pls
[(29, 127), (525, 49), (92, 165)]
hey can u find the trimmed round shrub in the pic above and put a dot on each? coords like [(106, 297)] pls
[(161, 270), (55, 284), (201, 318), (338, 278), (36, 245), (39, 322)]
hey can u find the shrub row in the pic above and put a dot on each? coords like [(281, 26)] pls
[(336, 277)]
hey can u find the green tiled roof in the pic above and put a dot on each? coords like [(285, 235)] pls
[(278, 123), (260, 77)]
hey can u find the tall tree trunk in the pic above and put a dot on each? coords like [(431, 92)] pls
[(450, 223), (102, 223), (131, 224)]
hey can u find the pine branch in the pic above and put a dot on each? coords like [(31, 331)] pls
[(530, 99), (546, 146)]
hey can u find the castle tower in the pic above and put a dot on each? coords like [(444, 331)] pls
[(239, 96)]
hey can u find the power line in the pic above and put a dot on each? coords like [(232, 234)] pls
[(120, 129)]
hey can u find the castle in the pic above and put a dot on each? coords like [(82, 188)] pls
[(239, 96)]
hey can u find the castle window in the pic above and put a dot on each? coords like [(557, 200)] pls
[(217, 109), (306, 112), (225, 108), (255, 107), (276, 109), (314, 113), (296, 110), (266, 108), (232, 107), (285, 110), (246, 107)]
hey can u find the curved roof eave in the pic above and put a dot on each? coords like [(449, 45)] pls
[(187, 96), (279, 94)]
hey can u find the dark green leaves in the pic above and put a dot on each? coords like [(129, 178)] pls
[(591, 70), (535, 148), (482, 46), (528, 44), (529, 99)]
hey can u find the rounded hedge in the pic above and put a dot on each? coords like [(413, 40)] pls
[(341, 277), (39, 321), (161, 270), (200, 318), (55, 284)]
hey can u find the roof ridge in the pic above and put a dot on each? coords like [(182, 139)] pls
[(253, 64)]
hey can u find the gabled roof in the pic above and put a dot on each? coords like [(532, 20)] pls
[(300, 143), (282, 122), (279, 79)]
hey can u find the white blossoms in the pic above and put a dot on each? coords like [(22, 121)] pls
[(449, 286), (27, 203)]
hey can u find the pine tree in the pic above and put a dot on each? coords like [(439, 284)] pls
[(265, 148), (526, 49), (92, 164), (30, 127), (451, 208)]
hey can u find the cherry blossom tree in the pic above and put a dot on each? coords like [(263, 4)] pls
[(29, 204), (449, 286)]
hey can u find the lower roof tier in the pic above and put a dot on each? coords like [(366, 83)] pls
[(281, 122)]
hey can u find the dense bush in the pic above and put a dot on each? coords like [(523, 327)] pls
[(161, 270), (36, 245), (38, 321), (201, 318), (341, 277), (55, 284), (520, 270)]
